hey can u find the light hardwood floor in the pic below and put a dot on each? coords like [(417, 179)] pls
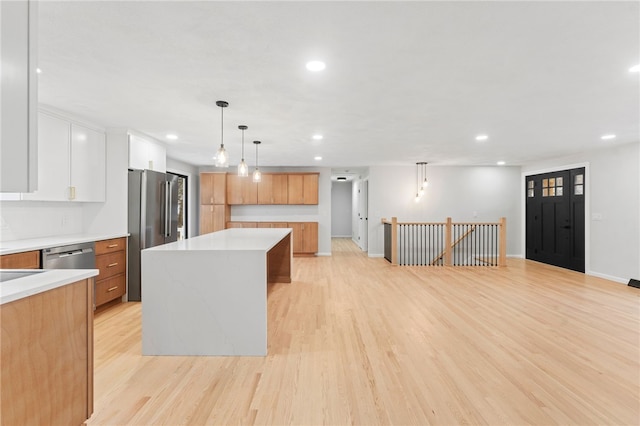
[(353, 340)]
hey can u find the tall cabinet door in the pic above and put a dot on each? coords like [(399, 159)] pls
[(88, 164), (53, 167), (212, 218), (213, 188)]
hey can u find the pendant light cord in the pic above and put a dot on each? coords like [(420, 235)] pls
[(222, 127), (242, 144)]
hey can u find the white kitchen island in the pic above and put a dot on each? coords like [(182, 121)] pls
[(208, 295)]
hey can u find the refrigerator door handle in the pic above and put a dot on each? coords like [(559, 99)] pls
[(167, 210)]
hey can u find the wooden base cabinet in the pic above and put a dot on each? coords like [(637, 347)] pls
[(305, 237), (46, 374), (24, 260), (111, 260)]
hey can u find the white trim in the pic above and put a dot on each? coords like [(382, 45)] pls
[(323, 254), (341, 236), (375, 255), (608, 277), (516, 256), (587, 207)]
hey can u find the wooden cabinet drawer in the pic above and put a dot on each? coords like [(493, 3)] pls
[(109, 289), (111, 264), (25, 260), (110, 246)]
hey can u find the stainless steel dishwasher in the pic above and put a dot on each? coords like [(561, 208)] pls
[(75, 256)]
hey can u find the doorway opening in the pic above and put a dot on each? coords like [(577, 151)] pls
[(183, 205), (555, 218)]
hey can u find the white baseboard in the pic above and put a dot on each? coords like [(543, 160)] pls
[(608, 277), (375, 255), (323, 254), (341, 236), (516, 256)]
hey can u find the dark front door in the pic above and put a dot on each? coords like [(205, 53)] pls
[(555, 218)]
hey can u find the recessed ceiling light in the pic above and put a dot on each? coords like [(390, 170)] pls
[(317, 137), (316, 66), (482, 137), (172, 137), (501, 163), (635, 68), (38, 70), (317, 158), (607, 137)]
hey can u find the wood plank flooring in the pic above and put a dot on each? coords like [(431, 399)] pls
[(353, 340)]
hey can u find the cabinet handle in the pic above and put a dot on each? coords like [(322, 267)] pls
[(112, 264), (112, 245), (112, 288), (72, 192)]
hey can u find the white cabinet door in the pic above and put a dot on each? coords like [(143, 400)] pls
[(144, 154), (88, 164), (53, 167), (18, 103), (157, 157)]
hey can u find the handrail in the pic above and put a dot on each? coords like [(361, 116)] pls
[(497, 232)]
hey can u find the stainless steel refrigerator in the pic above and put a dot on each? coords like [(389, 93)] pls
[(153, 219)]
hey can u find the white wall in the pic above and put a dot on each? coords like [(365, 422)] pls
[(613, 193), (320, 213), (341, 210), (193, 192), (479, 194)]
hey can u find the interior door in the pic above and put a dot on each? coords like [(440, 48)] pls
[(363, 215), (555, 218)]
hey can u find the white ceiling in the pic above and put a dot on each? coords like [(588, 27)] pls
[(405, 81)]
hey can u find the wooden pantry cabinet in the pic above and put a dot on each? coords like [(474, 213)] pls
[(214, 209), (24, 260), (111, 260)]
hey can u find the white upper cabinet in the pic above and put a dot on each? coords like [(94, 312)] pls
[(19, 100), (53, 167), (145, 154), (87, 180), (72, 164)]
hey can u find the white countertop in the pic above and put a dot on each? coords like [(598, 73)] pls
[(17, 246), (40, 282), (259, 239)]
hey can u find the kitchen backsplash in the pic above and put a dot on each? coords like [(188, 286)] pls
[(32, 219)]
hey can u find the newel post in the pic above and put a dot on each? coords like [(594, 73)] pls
[(447, 243), (502, 260), (394, 241)]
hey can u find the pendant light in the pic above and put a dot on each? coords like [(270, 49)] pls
[(417, 182), (421, 179), (257, 176), (243, 169), (222, 158)]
